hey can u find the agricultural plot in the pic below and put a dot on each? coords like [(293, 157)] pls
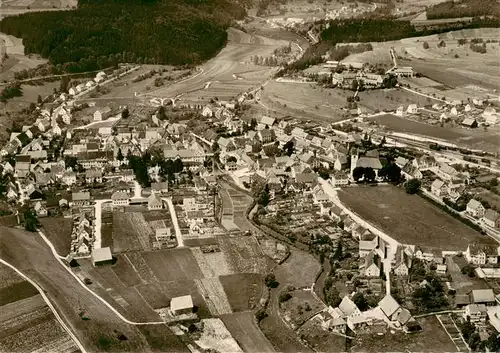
[(245, 255), (243, 290), (212, 264), (58, 230), (140, 265), (170, 265), (410, 219), (215, 297), (244, 329), (103, 331), (124, 270), (26, 322), (131, 232)]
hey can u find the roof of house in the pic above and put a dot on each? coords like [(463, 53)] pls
[(468, 121), (483, 296), (80, 196), (305, 177), (267, 120), (119, 195), (461, 299), (180, 303), (154, 200), (403, 316), (347, 306), (491, 215), (437, 184), (388, 305), (474, 204), (477, 308), (369, 162), (159, 186), (102, 254)]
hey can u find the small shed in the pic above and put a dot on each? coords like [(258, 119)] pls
[(182, 305), (101, 256)]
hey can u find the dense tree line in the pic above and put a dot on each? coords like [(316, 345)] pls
[(102, 33), (464, 8)]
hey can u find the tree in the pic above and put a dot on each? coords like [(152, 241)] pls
[(360, 301), (30, 221), (161, 113), (64, 84), (270, 280), (125, 113), (412, 186), (284, 296), (426, 45), (468, 270), (338, 251), (253, 124), (119, 155), (369, 174), (358, 173), (39, 99), (391, 172), (178, 165), (288, 148), (264, 197), (215, 147)]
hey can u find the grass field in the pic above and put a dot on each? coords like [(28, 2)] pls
[(410, 219), (302, 306), (243, 290), (58, 230), (245, 331), (433, 338), (299, 270), (131, 232)]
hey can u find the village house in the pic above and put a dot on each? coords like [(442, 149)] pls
[(445, 172), (490, 115), (102, 113), (159, 188), (403, 261), (93, 176), (372, 265), (120, 198), (265, 121), (491, 218), (154, 202), (339, 179), (412, 109), (476, 313), (40, 209), (438, 188), (475, 209), (79, 199), (482, 254), (368, 242), (483, 296)]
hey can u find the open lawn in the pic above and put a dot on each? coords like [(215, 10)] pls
[(244, 329), (433, 338), (409, 219), (103, 329), (299, 270), (300, 307), (58, 230), (243, 290), (304, 100)]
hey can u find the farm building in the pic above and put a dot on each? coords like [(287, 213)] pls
[(101, 256), (181, 305)]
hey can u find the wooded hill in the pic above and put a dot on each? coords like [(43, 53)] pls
[(101, 33), (464, 8)]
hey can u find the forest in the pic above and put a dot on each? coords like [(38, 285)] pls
[(102, 33), (464, 8)]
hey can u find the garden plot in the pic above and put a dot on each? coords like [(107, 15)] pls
[(213, 292), (245, 255), (141, 267), (172, 265), (212, 264), (216, 337), (302, 306), (131, 232)]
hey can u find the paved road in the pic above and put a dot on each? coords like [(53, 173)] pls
[(49, 304)]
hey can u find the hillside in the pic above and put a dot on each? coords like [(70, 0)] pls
[(101, 33), (464, 8)]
